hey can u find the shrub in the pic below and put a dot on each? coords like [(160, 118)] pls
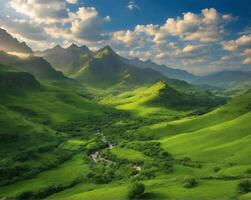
[(25, 195), (216, 169), (189, 182), (136, 190), (248, 170), (244, 187)]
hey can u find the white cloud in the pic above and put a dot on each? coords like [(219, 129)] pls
[(72, 1), (46, 11), (24, 28), (205, 27), (55, 19), (247, 61), (86, 24), (241, 47), (132, 6), (242, 42), (128, 38), (192, 48), (246, 52)]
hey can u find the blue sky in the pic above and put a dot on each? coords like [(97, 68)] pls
[(157, 11), (200, 36)]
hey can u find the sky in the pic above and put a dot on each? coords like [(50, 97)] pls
[(200, 36)]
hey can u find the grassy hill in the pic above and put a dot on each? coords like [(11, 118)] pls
[(212, 148), (16, 82), (37, 66), (36, 120), (221, 135), (172, 98), (60, 128)]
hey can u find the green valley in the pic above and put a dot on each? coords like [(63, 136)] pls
[(79, 124)]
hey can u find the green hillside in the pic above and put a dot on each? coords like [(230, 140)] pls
[(16, 82), (223, 133), (214, 152), (48, 132), (164, 99), (37, 66)]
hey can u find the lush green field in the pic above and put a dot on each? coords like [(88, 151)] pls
[(73, 142)]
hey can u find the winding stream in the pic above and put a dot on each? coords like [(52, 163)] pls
[(96, 157)]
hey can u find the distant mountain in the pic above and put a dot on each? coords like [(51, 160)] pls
[(166, 71), (69, 60), (74, 59), (103, 68), (37, 66), (106, 68), (11, 44), (227, 79)]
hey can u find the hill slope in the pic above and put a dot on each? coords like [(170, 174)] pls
[(37, 66), (164, 99), (11, 44), (69, 60), (17, 81), (218, 136)]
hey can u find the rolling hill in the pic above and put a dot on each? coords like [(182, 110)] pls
[(164, 99), (220, 136), (37, 66), (16, 82)]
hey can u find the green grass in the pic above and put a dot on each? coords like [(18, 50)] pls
[(104, 192), (74, 144), (155, 189), (64, 174), (129, 154), (205, 190), (225, 142), (137, 102)]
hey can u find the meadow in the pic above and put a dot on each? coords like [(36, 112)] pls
[(176, 153)]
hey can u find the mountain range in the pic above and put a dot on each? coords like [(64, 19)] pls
[(78, 62)]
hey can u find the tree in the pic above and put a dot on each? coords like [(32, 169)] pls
[(244, 186), (189, 182), (136, 190)]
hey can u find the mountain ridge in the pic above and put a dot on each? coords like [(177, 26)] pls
[(37, 66), (10, 44), (227, 79)]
